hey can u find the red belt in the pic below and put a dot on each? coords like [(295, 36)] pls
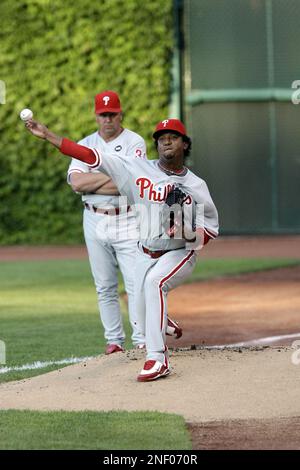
[(154, 254), (115, 211)]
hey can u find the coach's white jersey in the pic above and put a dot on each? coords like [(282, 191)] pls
[(147, 186), (128, 144)]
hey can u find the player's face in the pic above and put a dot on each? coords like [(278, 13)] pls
[(170, 146), (109, 125)]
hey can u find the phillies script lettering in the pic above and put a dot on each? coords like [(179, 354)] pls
[(147, 188)]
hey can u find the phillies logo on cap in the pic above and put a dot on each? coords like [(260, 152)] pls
[(107, 102), (169, 125)]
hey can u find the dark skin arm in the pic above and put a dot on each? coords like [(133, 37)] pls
[(42, 132)]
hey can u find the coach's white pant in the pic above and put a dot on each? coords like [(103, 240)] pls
[(154, 278), (112, 241)]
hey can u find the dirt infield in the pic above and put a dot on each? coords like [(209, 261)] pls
[(251, 434), (224, 247), (246, 308), (242, 398)]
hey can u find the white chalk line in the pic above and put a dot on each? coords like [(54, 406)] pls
[(256, 342), (42, 365), (75, 360)]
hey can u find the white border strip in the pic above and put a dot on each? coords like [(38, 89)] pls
[(98, 161), (42, 365)]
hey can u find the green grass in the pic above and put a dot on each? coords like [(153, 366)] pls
[(91, 430), (48, 309)]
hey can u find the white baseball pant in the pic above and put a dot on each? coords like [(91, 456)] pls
[(112, 241), (154, 278)]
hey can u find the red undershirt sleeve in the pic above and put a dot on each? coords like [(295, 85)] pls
[(84, 154)]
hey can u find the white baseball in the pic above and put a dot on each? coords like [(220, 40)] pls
[(26, 114)]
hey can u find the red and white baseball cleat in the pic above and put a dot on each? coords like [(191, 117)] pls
[(173, 329), (153, 370), (140, 346), (112, 348)]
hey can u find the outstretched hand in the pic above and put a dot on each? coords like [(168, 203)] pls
[(36, 128), (41, 131)]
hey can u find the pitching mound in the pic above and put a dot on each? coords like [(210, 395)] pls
[(205, 385)]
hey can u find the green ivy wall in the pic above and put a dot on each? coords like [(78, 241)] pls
[(54, 57)]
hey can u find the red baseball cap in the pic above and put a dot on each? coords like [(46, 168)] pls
[(169, 125), (107, 102)]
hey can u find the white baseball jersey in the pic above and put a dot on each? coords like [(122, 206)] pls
[(146, 185), (127, 144)]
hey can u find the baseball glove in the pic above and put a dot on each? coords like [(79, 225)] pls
[(172, 213)]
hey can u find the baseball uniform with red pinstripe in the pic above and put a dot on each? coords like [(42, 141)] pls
[(146, 185)]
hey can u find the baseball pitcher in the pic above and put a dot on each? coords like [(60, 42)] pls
[(167, 252)]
